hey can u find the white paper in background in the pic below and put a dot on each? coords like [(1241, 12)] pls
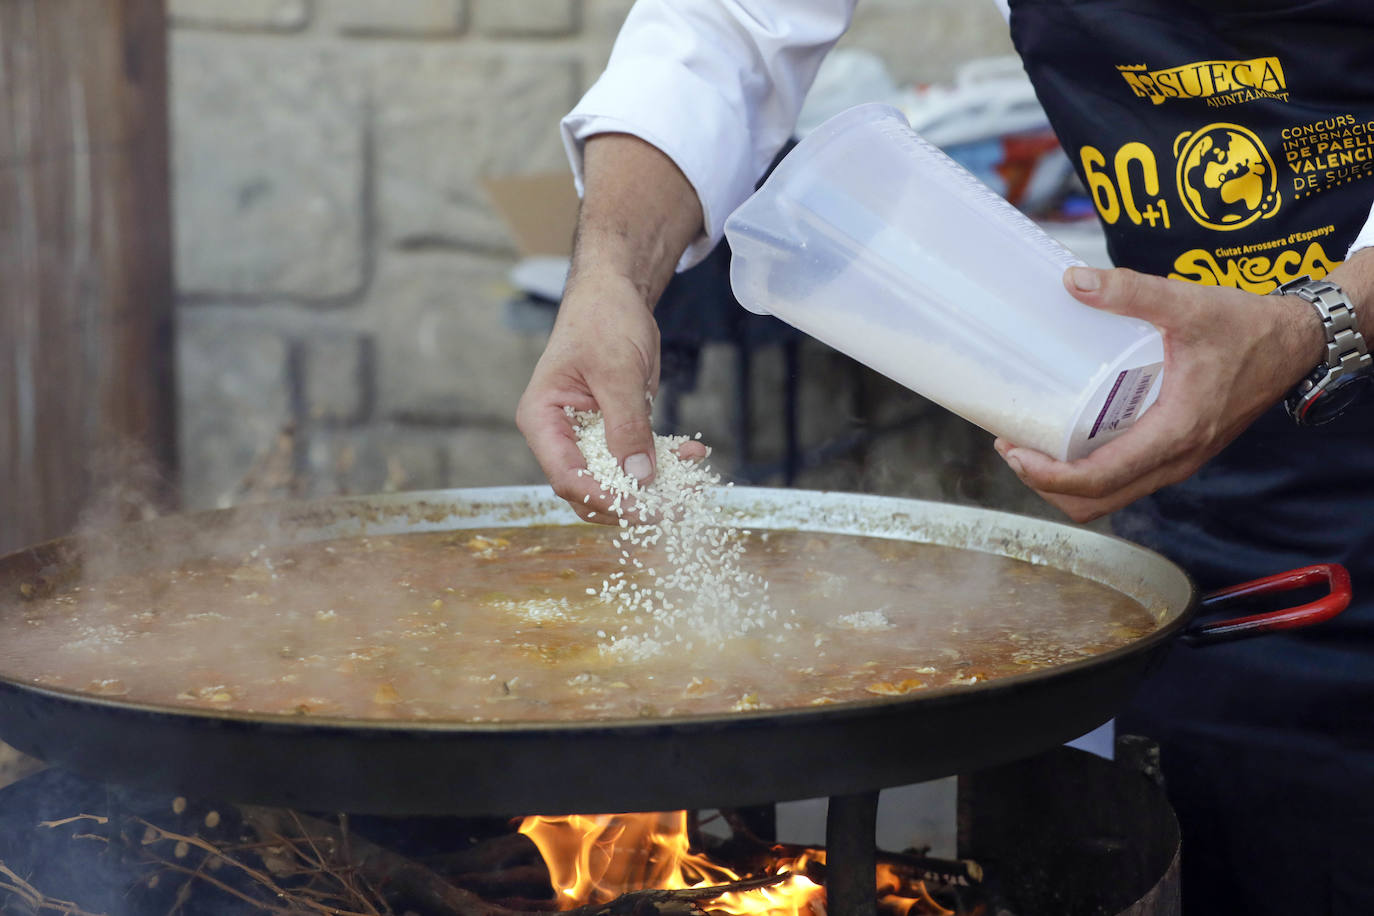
[(541, 275), (1100, 741), (921, 815)]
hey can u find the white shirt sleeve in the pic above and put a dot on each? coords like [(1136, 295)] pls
[(716, 85), (1366, 237)]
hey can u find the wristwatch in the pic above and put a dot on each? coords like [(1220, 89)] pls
[(1346, 374)]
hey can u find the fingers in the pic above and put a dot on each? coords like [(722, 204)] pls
[(629, 434), (1122, 291), (1086, 508), (602, 356), (1120, 472), (693, 451), (1218, 376), (1106, 470), (551, 438)]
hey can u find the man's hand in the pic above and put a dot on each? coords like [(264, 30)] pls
[(638, 214), (1228, 356), (602, 355)]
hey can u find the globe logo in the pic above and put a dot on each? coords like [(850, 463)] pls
[(1226, 177)]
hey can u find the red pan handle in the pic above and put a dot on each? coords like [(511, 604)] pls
[(1324, 608)]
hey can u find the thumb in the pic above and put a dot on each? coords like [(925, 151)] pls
[(1120, 291), (629, 434)]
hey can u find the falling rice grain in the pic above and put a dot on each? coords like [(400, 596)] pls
[(702, 590)]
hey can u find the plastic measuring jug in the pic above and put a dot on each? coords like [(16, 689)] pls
[(872, 240)]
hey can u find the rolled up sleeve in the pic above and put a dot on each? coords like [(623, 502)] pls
[(1365, 238), (716, 85)]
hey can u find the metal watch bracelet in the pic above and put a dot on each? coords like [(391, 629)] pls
[(1347, 354)]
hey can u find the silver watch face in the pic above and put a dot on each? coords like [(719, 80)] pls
[(1324, 395)]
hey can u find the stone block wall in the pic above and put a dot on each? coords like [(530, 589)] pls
[(341, 277)]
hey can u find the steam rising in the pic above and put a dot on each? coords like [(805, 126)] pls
[(390, 634)]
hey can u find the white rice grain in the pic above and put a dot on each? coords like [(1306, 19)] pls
[(699, 590)]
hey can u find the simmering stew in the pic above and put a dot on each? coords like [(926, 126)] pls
[(505, 625)]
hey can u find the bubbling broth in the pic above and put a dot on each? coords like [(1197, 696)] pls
[(504, 625)]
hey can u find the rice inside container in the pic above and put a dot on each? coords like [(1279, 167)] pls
[(875, 242)]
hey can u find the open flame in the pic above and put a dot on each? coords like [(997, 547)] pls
[(594, 859)]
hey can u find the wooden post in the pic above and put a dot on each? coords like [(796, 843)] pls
[(85, 254)]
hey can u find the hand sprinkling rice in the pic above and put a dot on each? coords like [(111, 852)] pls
[(698, 593)]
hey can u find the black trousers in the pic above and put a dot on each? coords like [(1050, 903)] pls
[(1267, 745)]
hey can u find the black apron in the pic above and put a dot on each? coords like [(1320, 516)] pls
[(1232, 144)]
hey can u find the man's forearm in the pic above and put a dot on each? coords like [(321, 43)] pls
[(638, 214)]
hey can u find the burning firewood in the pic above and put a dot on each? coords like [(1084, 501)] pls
[(288, 864), (905, 876), (283, 863), (406, 884), (510, 850)]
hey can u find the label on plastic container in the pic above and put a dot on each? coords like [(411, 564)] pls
[(1125, 398)]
